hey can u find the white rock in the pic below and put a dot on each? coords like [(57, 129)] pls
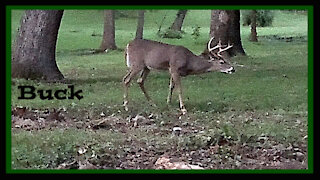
[(164, 163)]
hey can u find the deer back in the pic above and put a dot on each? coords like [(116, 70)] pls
[(157, 55)]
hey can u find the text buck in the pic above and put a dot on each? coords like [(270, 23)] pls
[(29, 92), (144, 55)]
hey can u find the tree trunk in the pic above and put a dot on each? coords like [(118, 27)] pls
[(177, 24), (34, 50), (253, 35), (234, 33), (139, 32), (108, 41), (225, 25)]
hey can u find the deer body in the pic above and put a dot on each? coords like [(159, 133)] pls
[(144, 55), (166, 56)]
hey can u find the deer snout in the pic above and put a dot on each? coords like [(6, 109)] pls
[(233, 70), (229, 70)]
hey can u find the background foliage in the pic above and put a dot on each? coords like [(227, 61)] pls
[(264, 17)]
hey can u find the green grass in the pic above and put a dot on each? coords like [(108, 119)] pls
[(48, 149), (265, 97)]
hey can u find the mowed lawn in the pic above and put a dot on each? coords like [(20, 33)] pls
[(261, 108)]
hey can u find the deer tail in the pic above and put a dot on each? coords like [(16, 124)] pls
[(126, 55)]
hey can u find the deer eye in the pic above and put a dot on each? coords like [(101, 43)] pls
[(221, 62)]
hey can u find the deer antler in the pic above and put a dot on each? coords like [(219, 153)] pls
[(221, 50), (217, 46)]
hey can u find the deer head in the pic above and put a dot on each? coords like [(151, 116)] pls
[(219, 63)]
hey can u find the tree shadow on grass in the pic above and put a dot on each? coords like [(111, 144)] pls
[(284, 38), (85, 51), (93, 80)]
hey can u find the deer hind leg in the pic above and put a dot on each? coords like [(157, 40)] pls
[(140, 81), (126, 81), (171, 87), (177, 81)]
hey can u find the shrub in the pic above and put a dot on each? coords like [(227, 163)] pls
[(264, 17), (170, 33), (195, 32)]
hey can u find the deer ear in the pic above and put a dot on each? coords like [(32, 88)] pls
[(211, 57)]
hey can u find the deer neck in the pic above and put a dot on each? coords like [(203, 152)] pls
[(198, 66)]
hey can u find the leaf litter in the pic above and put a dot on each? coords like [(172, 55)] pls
[(153, 142)]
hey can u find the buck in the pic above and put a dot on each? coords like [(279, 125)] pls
[(144, 55)]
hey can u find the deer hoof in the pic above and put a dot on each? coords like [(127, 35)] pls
[(139, 81), (125, 103), (184, 111), (168, 101)]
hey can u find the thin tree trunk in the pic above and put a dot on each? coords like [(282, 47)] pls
[(177, 24), (34, 50), (225, 25), (139, 32), (253, 35), (108, 41)]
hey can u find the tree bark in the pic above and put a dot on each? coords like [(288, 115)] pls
[(177, 24), (253, 35), (139, 32), (34, 50), (225, 25), (108, 41)]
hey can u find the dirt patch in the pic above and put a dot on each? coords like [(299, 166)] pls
[(31, 119)]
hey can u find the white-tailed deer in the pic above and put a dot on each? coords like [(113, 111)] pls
[(144, 55)]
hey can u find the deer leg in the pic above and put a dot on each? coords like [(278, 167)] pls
[(126, 81), (126, 84), (171, 87), (177, 82), (140, 81)]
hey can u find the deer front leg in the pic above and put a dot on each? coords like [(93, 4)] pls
[(141, 80), (171, 87), (126, 81), (177, 82)]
